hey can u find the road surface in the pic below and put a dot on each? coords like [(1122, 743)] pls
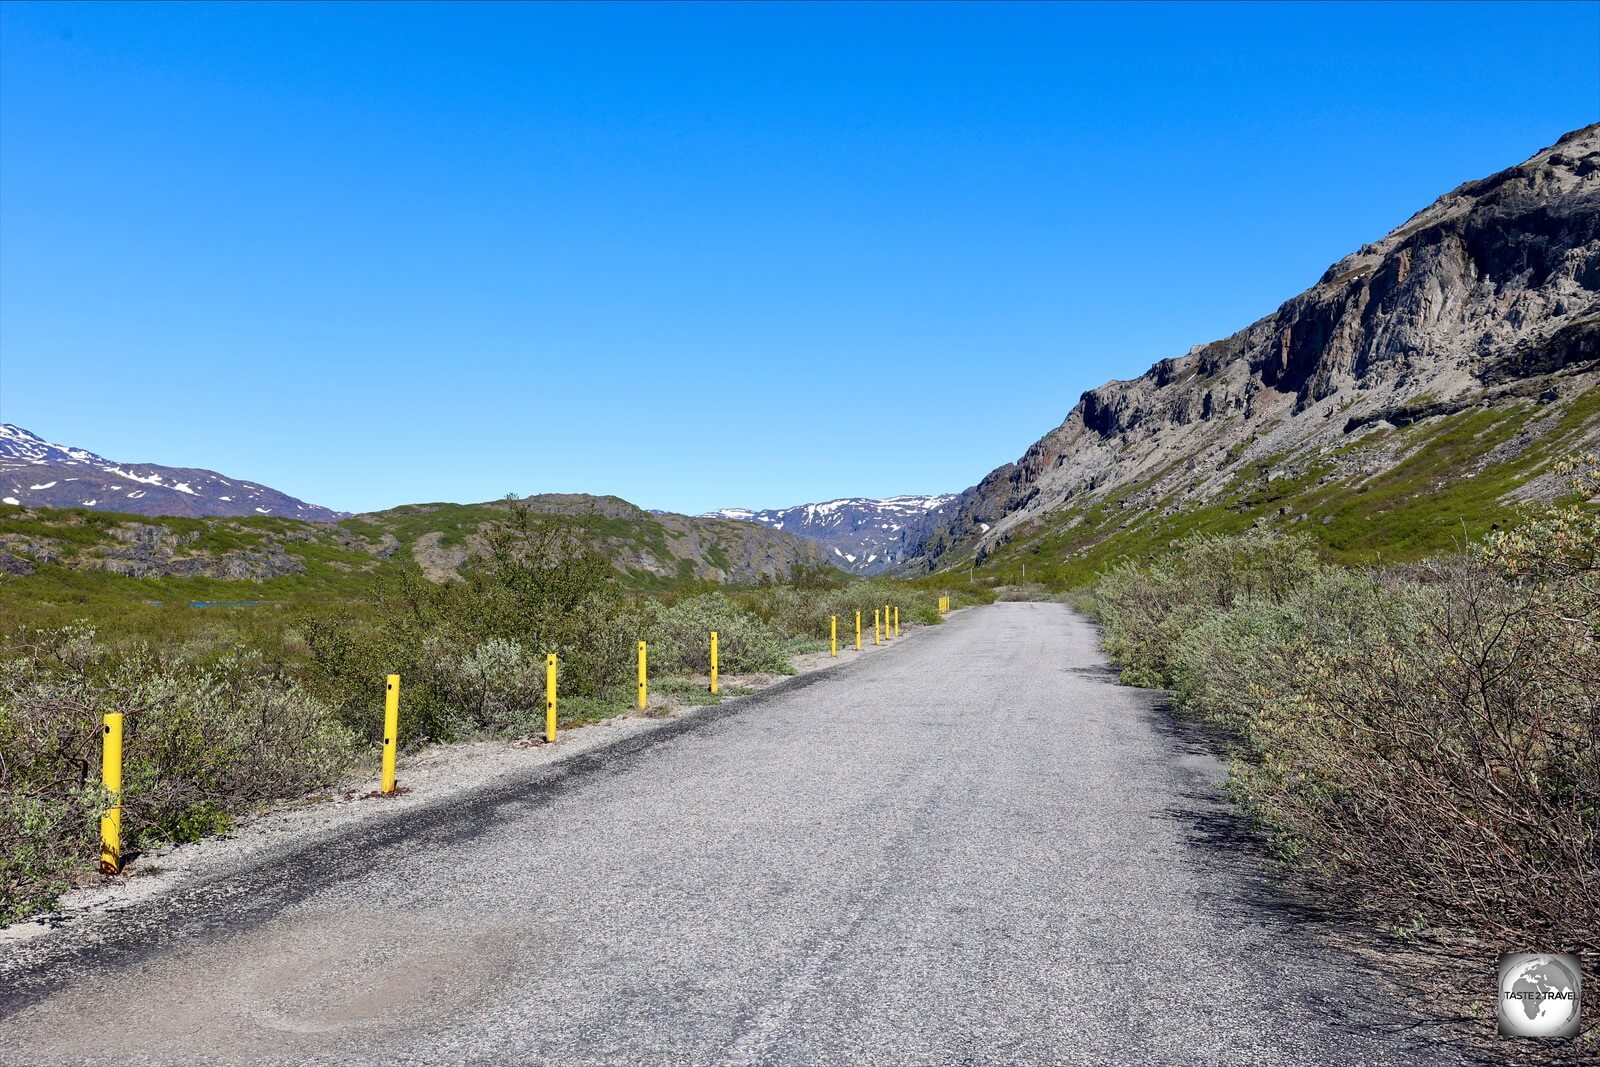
[(973, 847)]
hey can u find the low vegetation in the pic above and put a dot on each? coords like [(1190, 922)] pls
[(205, 738), (1425, 738), (230, 707)]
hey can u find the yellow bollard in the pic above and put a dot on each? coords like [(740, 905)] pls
[(875, 626), (111, 777), (644, 690), (391, 729), (858, 631), (550, 698), (886, 622), (897, 620), (713, 661), (833, 635)]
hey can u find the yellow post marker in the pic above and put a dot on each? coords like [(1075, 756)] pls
[(886, 622), (391, 729), (897, 620), (111, 778), (858, 631), (644, 690), (713, 661), (833, 635), (875, 639), (550, 698)]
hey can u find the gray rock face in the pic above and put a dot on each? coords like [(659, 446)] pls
[(1488, 294), (36, 473), (143, 550)]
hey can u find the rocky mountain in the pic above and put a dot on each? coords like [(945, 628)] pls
[(36, 473), (1426, 382), (648, 548), (861, 535)]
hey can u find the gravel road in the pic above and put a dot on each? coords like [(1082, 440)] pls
[(973, 847)]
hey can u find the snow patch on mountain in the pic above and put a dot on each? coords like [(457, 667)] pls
[(35, 472), (867, 533)]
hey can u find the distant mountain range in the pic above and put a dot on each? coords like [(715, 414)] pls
[(860, 534), (1426, 384), (37, 473), (247, 539)]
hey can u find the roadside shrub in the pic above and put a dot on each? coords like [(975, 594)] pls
[(471, 653), (1149, 608), (1428, 739), (203, 741), (680, 638)]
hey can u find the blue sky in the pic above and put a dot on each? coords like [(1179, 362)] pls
[(696, 256)]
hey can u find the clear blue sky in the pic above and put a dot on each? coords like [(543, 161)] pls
[(696, 256)]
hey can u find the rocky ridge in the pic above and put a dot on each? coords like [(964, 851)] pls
[(1486, 300)]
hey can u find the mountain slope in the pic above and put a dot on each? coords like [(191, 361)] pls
[(36, 473), (56, 563), (861, 535), (1424, 383)]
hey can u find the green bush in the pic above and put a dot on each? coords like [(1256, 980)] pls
[(203, 741), (1428, 739), (471, 653), (680, 638)]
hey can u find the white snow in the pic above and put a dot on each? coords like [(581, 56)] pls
[(153, 479), (224, 498), (90, 503), (13, 500), (183, 487), (265, 511), (17, 443), (869, 558), (46, 485), (136, 494), (985, 526)]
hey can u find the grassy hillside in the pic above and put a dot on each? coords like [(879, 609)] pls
[(139, 572), (1393, 492)]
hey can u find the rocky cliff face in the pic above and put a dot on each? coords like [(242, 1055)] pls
[(1487, 299)]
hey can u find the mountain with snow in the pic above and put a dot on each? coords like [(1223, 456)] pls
[(37, 473), (860, 534)]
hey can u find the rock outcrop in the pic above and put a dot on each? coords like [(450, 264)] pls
[(1488, 296)]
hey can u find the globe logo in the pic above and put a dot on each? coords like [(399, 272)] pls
[(1541, 995)]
